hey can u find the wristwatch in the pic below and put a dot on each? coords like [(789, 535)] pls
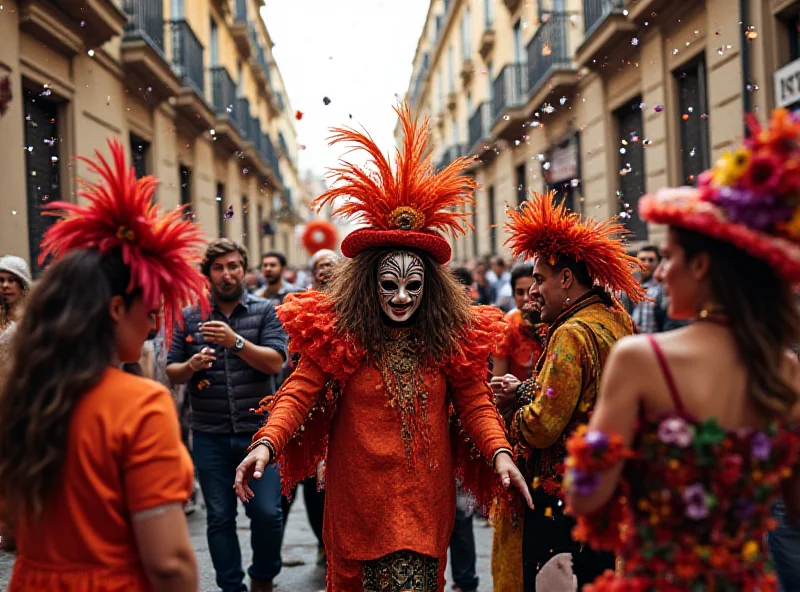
[(238, 344)]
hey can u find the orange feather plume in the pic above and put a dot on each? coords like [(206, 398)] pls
[(162, 251), (539, 228), (414, 197)]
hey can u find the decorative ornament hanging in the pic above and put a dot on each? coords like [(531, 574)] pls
[(319, 234), (5, 88)]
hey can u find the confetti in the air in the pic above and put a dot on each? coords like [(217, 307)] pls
[(326, 100), (229, 212), (635, 41), (658, 108), (298, 116), (562, 100), (548, 108)]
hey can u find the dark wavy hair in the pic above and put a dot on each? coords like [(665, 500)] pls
[(439, 322), (63, 345), (762, 312)]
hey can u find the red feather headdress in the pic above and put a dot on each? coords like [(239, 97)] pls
[(539, 228), (410, 207), (162, 251)]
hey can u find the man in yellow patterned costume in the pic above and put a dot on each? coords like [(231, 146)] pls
[(578, 266)]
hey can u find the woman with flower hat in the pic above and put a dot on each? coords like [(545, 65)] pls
[(392, 356), (93, 473), (693, 436)]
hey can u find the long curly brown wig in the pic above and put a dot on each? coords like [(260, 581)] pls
[(63, 345), (439, 322), (763, 316)]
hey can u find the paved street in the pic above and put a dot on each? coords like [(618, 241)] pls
[(300, 546)]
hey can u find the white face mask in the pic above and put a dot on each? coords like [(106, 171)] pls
[(401, 279)]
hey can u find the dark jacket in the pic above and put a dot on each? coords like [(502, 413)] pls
[(223, 396)]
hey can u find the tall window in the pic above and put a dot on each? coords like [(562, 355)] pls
[(522, 189), (470, 105), (263, 228), (214, 43), (695, 153), (475, 248), (221, 209), (488, 13), (466, 45), (140, 154), (42, 166), (490, 81), (451, 74), (186, 191), (492, 221), (519, 53), (631, 167), (240, 82), (177, 9), (245, 219)]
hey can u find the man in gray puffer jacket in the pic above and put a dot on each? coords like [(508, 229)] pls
[(229, 364)]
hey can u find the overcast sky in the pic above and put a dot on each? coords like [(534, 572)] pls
[(358, 53)]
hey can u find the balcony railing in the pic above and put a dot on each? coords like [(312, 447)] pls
[(187, 55), (244, 118), (547, 49), (240, 13), (145, 21), (283, 145), (510, 88), (223, 92), (480, 123), (595, 11)]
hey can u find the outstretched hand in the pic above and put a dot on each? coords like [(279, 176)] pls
[(252, 467), (509, 475)]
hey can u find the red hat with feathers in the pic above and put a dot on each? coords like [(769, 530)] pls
[(539, 228), (409, 207), (162, 251)]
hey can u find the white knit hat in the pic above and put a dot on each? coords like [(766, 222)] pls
[(18, 267)]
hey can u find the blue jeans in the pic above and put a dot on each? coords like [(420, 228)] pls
[(784, 543), (216, 457)]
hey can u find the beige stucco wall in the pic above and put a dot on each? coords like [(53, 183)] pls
[(98, 104), (645, 70)]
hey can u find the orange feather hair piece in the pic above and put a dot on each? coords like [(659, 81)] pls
[(162, 251), (539, 228), (376, 197)]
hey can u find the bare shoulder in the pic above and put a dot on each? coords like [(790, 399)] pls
[(632, 349)]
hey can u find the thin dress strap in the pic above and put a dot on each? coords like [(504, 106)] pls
[(662, 361)]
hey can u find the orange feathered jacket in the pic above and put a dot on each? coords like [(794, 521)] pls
[(334, 407)]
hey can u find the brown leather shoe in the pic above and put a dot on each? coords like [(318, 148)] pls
[(260, 585)]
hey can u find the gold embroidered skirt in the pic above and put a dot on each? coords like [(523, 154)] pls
[(402, 571)]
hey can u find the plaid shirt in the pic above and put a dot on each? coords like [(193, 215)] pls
[(650, 313)]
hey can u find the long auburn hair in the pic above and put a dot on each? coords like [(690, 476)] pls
[(63, 345), (439, 322), (762, 312)]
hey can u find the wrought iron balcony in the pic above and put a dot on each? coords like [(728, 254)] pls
[(223, 92), (187, 55), (145, 21), (596, 11), (480, 125), (510, 89), (548, 50)]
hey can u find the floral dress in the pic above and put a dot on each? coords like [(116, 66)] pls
[(693, 507)]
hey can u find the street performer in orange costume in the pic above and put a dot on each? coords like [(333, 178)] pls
[(391, 388)]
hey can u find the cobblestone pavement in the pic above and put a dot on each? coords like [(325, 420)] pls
[(299, 547)]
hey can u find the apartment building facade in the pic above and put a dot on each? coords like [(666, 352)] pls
[(188, 86), (598, 100)]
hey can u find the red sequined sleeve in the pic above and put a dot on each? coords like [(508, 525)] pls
[(292, 404)]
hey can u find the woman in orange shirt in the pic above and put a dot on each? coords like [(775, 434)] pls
[(93, 472)]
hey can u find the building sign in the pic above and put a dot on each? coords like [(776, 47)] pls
[(564, 162), (787, 84)]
